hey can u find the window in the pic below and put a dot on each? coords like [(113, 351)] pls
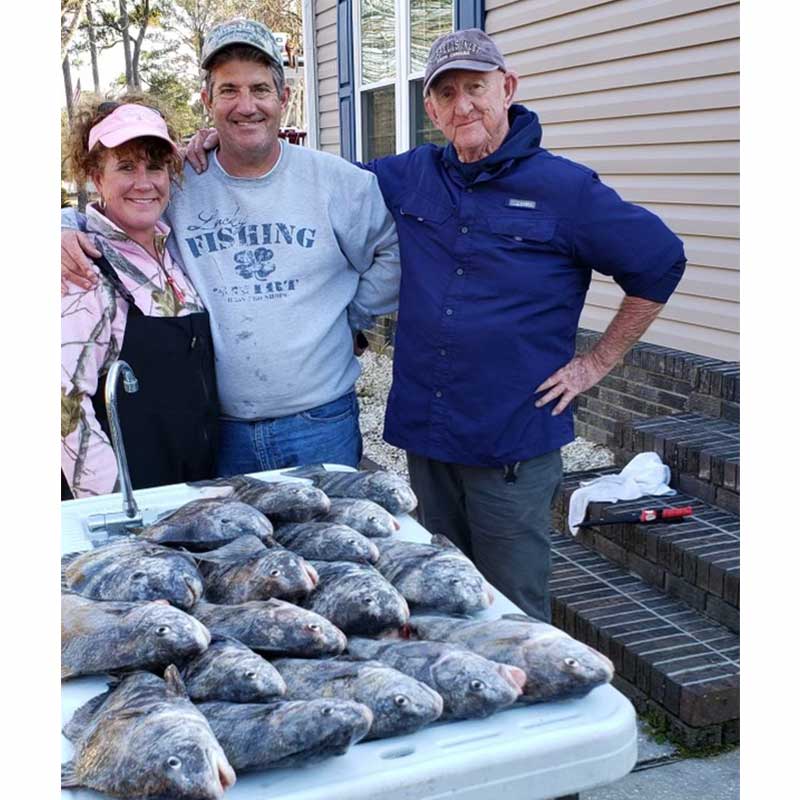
[(393, 38)]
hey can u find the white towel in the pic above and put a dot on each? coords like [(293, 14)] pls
[(644, 474)]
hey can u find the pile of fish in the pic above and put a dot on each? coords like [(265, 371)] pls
[(274, 625)]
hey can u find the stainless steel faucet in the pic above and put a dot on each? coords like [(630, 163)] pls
[(130, 517)]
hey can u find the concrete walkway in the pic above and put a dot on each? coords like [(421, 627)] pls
[(661, 774)]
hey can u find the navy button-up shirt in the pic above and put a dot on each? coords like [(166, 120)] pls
[(495, 269)]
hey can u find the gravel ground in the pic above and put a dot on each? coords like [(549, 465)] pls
[(373, 388)]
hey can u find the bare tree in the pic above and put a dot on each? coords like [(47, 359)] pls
[(92, 46), (71, 16)]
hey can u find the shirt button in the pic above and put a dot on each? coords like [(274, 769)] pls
[(464, 229), (420, 219), (459, 271), (443, 352), (470, 190), (517, 238), (438, 394), (449, 312)]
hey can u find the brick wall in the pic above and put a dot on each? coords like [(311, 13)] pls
[(654, 381)]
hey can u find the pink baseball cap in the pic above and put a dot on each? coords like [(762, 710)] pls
[(129, 121)]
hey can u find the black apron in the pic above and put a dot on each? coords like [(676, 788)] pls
[(169, 427)]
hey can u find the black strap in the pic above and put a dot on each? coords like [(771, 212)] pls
[(110, 274)]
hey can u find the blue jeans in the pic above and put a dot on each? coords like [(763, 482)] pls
[(328, 433)]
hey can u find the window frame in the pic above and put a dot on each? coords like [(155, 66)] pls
[(401, 80)]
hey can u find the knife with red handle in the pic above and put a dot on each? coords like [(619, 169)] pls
[(644, 516)]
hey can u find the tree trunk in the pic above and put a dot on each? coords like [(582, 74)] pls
[(124, 24), (82, 194), (137, 45), (93, 48)]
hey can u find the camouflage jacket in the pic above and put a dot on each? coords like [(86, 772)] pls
[(92, 332)]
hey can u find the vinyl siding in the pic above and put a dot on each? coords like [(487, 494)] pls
[(327, 84), (646, 92)]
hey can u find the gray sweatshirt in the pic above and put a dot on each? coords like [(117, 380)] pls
[(281, 261)]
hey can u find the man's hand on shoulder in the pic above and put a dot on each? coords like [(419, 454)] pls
[(76, 267), (196, 151), (575, 377)]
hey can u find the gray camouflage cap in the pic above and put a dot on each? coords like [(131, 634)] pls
[(241, 31), (467, 49)]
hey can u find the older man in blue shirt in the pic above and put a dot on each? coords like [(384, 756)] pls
[(498, 240)]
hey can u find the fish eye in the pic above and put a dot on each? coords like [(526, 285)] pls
[(455, 581), (138, 575), (225, 520), (369, 601), (250, 675), (313, 626), (275, 572), (570, 662), (476, 685), (372, 519), (351, 541), (174, 762), (162, 630), (327, 711), (400, 700)]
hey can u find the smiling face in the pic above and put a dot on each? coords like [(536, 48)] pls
[(134, 188), (471, 109), (246, 108)]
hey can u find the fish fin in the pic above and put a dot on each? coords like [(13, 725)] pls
[(69, 777), (66, 560), (306, 471), (243, 548), (83, 716), (176, 690), (522, 618), (442, 541)]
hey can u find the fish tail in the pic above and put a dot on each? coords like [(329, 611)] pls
[(69, 777)]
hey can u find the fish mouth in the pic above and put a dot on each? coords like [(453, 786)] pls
[(514, 676), (313, 575), (195, 591), (225, 775)]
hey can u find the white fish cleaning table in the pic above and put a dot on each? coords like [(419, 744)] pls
[(533, 752)]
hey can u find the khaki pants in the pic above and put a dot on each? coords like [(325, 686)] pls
[(503, 527)]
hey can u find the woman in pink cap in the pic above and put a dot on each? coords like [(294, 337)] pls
[(143, 310)]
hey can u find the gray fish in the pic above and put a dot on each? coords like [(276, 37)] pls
[(230, 671), (556, 665), (282, 501), (434, 577), (247, 570), (131, 570), (208, 523), (356, 598), (327, 541), (286, 733), (472, 687), (366, 517), (105, 636), (145, 739), (273, 626), (399, 703), (384, 488)]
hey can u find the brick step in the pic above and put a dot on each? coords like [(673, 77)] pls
[(670, 660), (696, 561), (702, 453)]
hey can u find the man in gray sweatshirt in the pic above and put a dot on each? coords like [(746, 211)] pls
[(291, 250)]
